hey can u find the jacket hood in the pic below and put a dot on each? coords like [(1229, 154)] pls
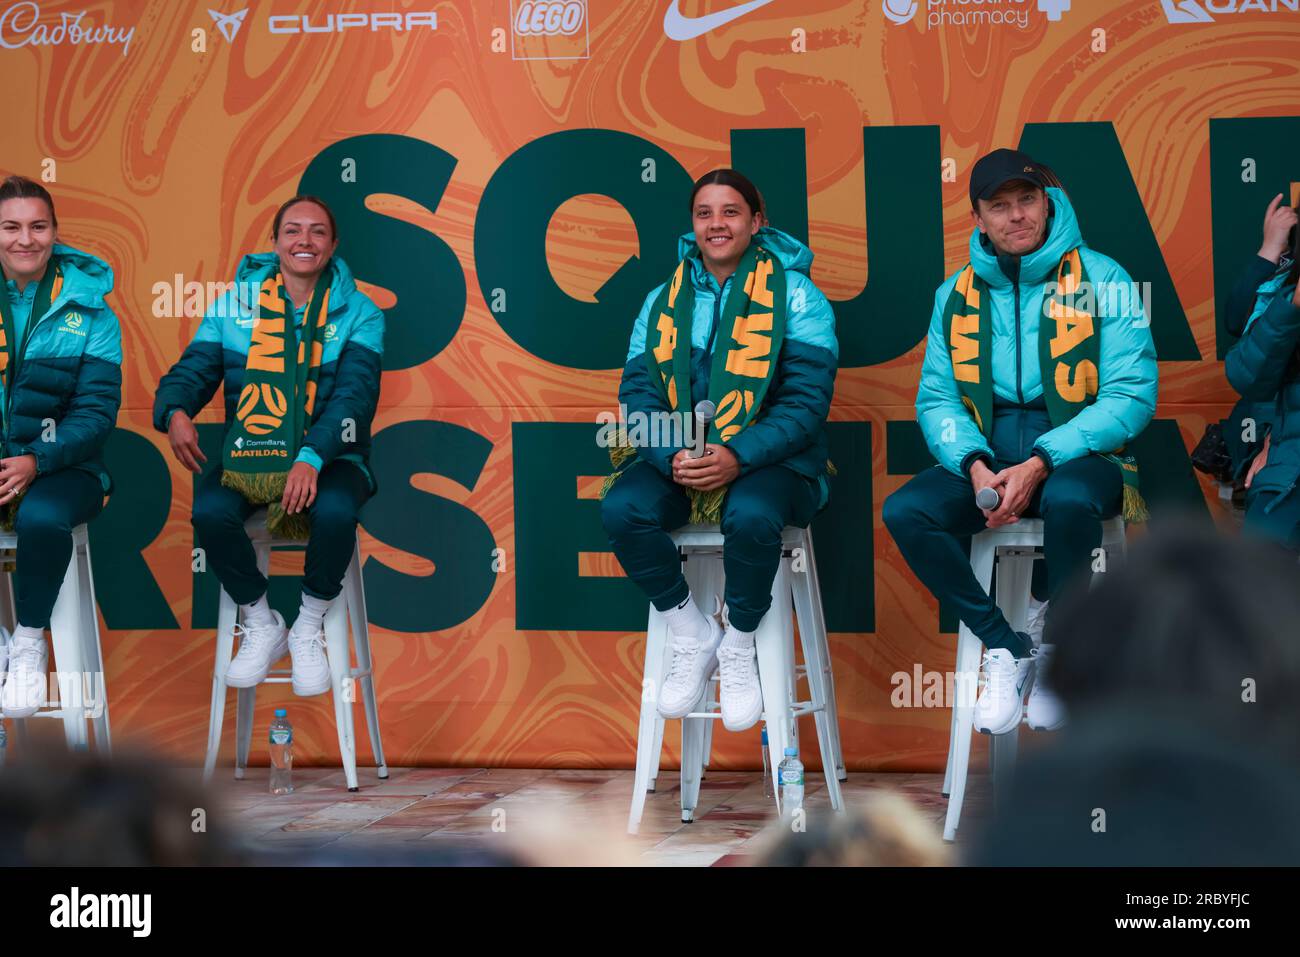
[(87, 279), (254, 267), (791, 253), (1035, 267)]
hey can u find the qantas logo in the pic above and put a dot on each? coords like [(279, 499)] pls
[(682, 28), (1202, 11)]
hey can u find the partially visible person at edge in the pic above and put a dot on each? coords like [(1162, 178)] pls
[(739, 323), (1264, 367), (1039, 370), (297, 432), (60, 389), (1260, 281)]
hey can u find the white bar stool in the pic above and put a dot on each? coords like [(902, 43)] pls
[(1013, 548), (700, 547), (349, 607), (74, 634)]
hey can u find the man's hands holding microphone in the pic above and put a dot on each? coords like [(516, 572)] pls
[(1015, 486)]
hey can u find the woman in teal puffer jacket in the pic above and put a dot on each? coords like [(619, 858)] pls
[(741, 324), (61, 385), (1264, 365)]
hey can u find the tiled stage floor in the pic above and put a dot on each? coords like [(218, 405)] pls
[(550, 816)]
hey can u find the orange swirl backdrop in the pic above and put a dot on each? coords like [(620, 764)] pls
[(170, 160)]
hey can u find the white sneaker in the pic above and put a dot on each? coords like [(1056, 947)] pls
[(24, 689), (4, 655), (311, 669), (1001, 701), (260, 646), (1045, 712), (693, 664), (739, 693)]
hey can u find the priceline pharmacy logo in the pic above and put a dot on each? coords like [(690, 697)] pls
[(961, 13)]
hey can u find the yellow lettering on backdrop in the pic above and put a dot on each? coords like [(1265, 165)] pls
[(667, 338), (1083, 383), (266, 350), (750, 359), (965, 348)]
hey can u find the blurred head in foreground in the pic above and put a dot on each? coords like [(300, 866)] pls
[(61, 809), (885, 830), (1181, 674)]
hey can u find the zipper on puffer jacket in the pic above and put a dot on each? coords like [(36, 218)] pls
[(1015, 292), (717, 316)]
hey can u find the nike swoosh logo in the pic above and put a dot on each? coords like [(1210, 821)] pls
[(682, 28)]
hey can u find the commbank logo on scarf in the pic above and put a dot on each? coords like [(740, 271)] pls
[(266, 396)]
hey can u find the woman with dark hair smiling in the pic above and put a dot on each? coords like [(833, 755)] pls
[(298, 347), (739, 323), (60, 388)]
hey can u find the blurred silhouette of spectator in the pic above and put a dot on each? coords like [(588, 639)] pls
[(1181, 673), (886, 830)]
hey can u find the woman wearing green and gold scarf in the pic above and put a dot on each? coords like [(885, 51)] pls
[(741, 324), (60, 388), (298, 347)]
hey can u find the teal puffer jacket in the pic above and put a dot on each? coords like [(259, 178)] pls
[(1126, 396), (67, 386), (791, 429)]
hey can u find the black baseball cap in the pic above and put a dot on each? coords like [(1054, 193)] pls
[(998, 168)]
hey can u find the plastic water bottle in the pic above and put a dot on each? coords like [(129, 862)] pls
[(281, 753), (767, 766), (791, 775)]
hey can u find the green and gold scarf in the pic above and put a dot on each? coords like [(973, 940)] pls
[(275, 404), (751, 329), (1069, 346), (11, 355)]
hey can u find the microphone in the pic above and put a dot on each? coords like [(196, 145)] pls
[(703, 419), (988, 499)]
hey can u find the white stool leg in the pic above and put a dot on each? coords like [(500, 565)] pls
[(952, 745), (818, 617), (227, 612), (92, 646), (968, 660), (656, 750), (704, 575), (710, 699), (774, 643), (245, 700), (1015, 577), (648, 736), (70, 669), (340, 662), (354, 595), (693, 730), (816, 668), (656, 677)]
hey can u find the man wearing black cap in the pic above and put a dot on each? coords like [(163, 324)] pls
[(1038, 370)]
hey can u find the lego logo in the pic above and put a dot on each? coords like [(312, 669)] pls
[(261, 423), (548, 18)]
